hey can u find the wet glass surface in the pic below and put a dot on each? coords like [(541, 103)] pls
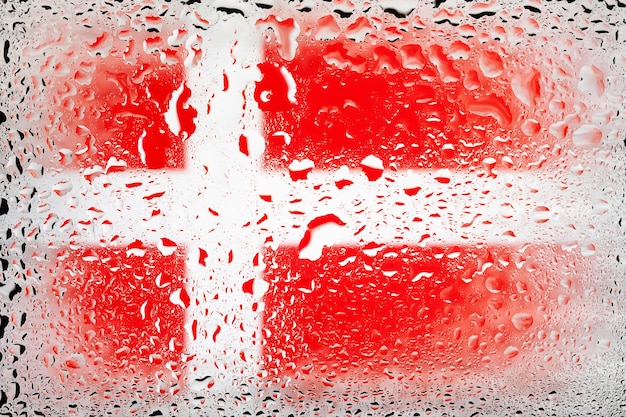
[(312, 208)]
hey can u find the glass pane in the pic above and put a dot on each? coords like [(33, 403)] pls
[(312, 208)]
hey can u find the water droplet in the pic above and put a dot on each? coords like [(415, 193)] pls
[(286, 30), (591, 80), (372, 167), (472, 342), (604, 344), (587, 136), (522, 321), (531, 127), (587, 249), (541, 214), (511, 352), (299, 170), (490, 64), (526, 87), (494, 284), (327, 28)]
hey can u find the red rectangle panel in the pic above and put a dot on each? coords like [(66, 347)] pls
[(119, 310), (403, 310), (112, 111), (412, 103)]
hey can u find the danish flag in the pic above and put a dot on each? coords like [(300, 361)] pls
[(376, 203)]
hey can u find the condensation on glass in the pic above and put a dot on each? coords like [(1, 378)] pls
[(312, 208)]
